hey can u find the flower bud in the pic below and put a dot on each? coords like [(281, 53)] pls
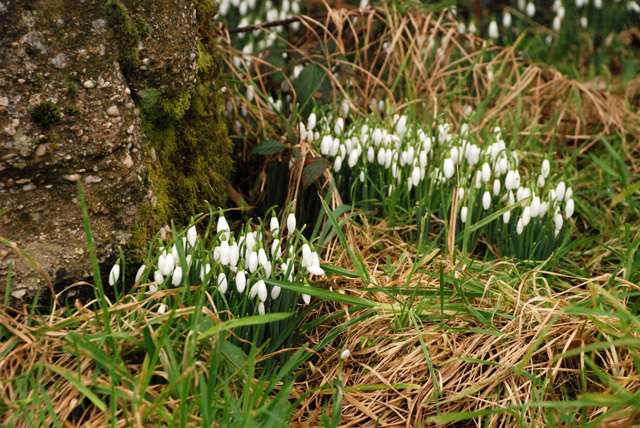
[(177, 277), (114, 275)]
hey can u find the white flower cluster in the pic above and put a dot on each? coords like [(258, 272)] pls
[(403, 158), (236, 263)]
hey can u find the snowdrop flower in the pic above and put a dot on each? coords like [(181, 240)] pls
[(493, 30), (253, 261), (291, 223), (234, 254), (275, 292), (526, 215), (463, 214), (535, 206), (337, 164), (307, 256), (506, 217), (478, 179), (177, 277), (560, 189), (541, 181), (140, 272), (166, 264), (506, 20), (633, 6), (192, 236), (162, 308), (558, 220), (223, 227), (259, 289), (531, 9), (261, 309), (460, 193), (519, 227), (114, 275), (486, 172), (448, 168), (339, 127), (569, 207), (225, 253), (344, 108), (556, 24), (274, 224), (262, 257), (486, 200), (584, 22), (305, 297), (325, 145), (496, 187), (311, 122), (345, 354), (157, 277), (315, 270), (353, 158), (415, 175), (401, 125), (568, 193), (222, 283)]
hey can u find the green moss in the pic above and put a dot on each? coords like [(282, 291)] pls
[(72, 88), (189, 135), (45, 114), (127, 36), (71, 110), (143, 29)]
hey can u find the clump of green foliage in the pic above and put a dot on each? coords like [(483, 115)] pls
[(71, 110), (127, 35), (45, 114), (143, 29), (72, 87)]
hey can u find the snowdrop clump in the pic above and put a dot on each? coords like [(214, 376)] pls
[(409, 167), (233, 266)]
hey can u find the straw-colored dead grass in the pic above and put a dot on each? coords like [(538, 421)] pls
[(388, 379)]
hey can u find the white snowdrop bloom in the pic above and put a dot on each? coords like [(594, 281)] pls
[(544, 206), (460, 193), (475, 156), (261, 309), (388, 158), (568, 193), (311, 122), (377, 137), (415, 175), (454, 155), (241, 281), (307, 255), (309, 136), (192, 236), (448, 168), (276, 251), (561, 12), (583, 22), (362, 176), (535, 206), (114, 275), (560, 189), (223, 227), (541, 181), (519, 227), (224, 7), (291, 223), (153, 287), (189, 259), (426, 144), (496, 187), (422, 158), (520, 194), (261, 290), (274, 224), (234, 254), (275, 292), (262, 257), (175, 255), (168, 265), (249, 243), (345, 354), (472, 28), (486, 200), (531, 9), (569, 207), (486, 172), (225, 253), (157, 277), (176, 278), (526, 215), (506, 20), (463, 214), (371, 154), (302, 130), (511, 199), (493, 30), (522, 4), (633, 6), (337, 164), (325, 145), (516, 179), (410, 154), (335, 147), (555, 25), (558, 220), (162, 308), (339, 126), (353, 158), (140, 272), (344, 108), (253, 262), (526, 193), (401, 125), (503, 165), (382, 155), (409, 185), (222, 283), (506, 217), (315, 270), (216, 254), (553, 196), (478, 179)]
